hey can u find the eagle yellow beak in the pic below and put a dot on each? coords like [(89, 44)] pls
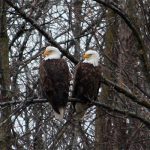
[(86, 56), (46, 53)]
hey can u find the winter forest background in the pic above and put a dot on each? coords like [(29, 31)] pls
[(119, 30)]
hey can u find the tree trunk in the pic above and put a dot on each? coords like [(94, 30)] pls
[(77, 9), (104, 133), (5, 121)]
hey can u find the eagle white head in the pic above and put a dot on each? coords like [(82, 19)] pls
[(51, 53), (91, 57)]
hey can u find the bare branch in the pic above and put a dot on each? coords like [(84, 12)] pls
[(43, 32), (141, 47), (127, 93), (99, 104)]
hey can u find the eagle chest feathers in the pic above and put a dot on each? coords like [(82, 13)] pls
[(54, 76), (87, 82)]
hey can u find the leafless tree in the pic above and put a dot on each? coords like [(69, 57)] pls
[(118, 30)]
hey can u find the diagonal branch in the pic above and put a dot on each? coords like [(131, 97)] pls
[(43, 32), (134, 98)]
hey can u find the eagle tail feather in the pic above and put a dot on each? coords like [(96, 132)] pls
[(59, 115)]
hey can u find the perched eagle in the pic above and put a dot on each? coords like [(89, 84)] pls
[(86, 81), (54, 77)]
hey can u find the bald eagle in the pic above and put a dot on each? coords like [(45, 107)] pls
[(86, 81), (54, 77)]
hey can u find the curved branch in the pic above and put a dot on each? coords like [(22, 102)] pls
[(124, 16), (141, 47), (125, 112)]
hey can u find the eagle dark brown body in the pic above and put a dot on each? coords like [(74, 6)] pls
[(86, 82), (54, 77)]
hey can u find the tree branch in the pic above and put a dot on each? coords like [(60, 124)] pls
[(43, 32), (142, 102), (127, 93), (127, 113), (141, 47)]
